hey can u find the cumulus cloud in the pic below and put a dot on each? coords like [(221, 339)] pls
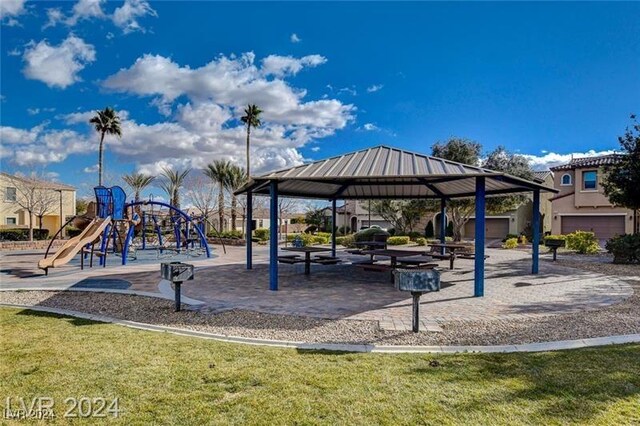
[(10, 9), (294, 38), (370, 127), (41, 145), (57, 66), (85, 9), (281, 66), (91, 169), (551, 159), (126, 17), (374, 88)]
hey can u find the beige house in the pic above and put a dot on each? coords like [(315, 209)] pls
[(582, 204), (55, 202)]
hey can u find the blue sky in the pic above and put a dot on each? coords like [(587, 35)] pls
[(548, 80)]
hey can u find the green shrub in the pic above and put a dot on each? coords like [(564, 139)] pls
[(421, 241), (367, 234), (511, 243), (72, 231), (625, 248), (22, 234), (346, 241), (583, 242), (226, 234), (509, 236), (319, 239), (326, 235), (428, 231), (555, 237), (414, 234), (398, 241), (523, 239), (261, 234), (344, 230)]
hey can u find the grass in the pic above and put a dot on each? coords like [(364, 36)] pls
[(167, 379)]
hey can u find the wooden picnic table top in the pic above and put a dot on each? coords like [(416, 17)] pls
[(309, 249), (450, 245)]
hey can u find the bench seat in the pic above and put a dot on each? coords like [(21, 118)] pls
[(290, 260)]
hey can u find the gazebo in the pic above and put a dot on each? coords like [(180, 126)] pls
[(384, 172)]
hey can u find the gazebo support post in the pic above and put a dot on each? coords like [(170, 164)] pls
[(249, 230), (535, 226), (334, 228), (443, 224), (273, 236), (479, 243)]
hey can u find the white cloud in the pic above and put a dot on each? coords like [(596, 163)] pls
[(281, 66), (57, 66), (315, 149), (33, 111), (11, 8), (350, 90), (551, 159), (91, 169), (54, 17), (374, 88), (370, 127), (14, 52), (85, 9), (295, 39), (126, 16)]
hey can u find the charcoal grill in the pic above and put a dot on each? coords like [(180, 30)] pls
[(417, 282), (177, 273)]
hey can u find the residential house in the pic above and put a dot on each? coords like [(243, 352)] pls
[(582, 204), (55, 202)]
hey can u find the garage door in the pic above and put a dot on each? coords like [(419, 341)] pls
[(494, 228), (603, 226)]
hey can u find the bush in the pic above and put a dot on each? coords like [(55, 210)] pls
[(509, 236), (428, 231), (344, 230), (226, 234), (421, 241), (511, 243), (555, 237), (582, 242), (346, 241), (625, 248), (523, 239), (367, 234), (326, 235), (261, 234), (308, 239), (398, 241), (72, 231), (22, 234), (414, 234)]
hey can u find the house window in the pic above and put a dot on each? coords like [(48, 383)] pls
[(589, 179), (10, 194), (12, 221), (566, 180)]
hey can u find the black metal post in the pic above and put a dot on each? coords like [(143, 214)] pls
[(177, 292), (416, 311)]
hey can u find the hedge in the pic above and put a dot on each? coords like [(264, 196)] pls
[(346, 241), (583, 242), (421, 241), (262, 234), (22, 234), (398, 241), (367, 234)]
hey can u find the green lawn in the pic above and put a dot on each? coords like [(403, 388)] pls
[(166, 379)]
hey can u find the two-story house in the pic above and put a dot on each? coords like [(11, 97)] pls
[(582, 204), (55, 202)]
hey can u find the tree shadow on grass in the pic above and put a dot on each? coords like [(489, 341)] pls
[(71, 320)]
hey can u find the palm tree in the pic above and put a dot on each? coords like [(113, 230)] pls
[(235, 179), (251, 119), (138, 182), (218, 172), (105, 122), (172, 182)]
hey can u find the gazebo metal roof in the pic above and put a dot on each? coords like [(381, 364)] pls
[(385, 172)]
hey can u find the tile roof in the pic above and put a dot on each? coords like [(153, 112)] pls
[(577, 163), (541, 175)]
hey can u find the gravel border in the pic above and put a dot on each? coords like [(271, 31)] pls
[(620, 319)]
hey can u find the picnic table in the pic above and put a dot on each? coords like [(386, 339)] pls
[(450, 247), (393, 255), (307, 254)]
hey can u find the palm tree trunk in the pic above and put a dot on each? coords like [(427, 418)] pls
[(221, 207), (100, 159), (234, 205), (248, 145)]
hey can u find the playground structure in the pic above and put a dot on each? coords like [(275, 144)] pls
[(124, 229)]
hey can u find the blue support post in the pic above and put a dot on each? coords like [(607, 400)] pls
[(535, 226), (249, 230), (333, 228), (443, 224), (273, 235), (478, 279)]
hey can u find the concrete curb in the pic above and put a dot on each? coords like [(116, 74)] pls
[(527, 347), (168, 296)]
